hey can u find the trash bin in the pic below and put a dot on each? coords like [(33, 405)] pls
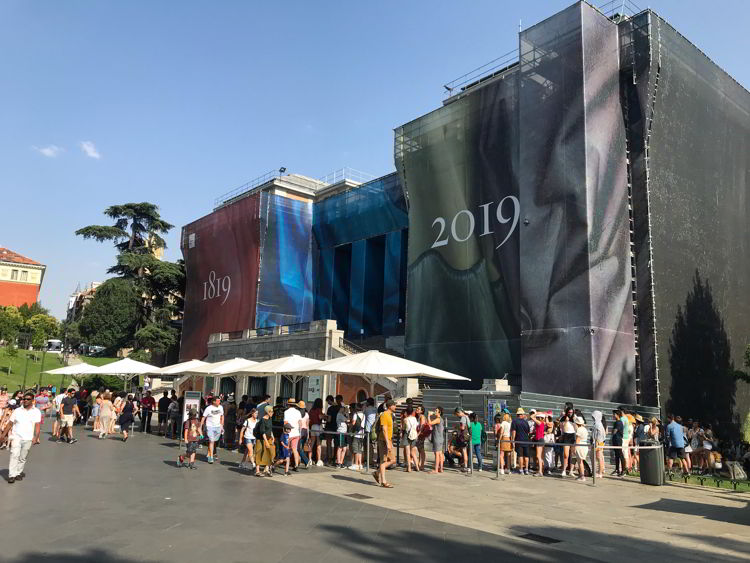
[(652, 464)]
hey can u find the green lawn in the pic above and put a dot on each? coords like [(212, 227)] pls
[(12, 369)]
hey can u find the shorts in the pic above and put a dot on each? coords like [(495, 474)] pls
[(341, 440), (358, 445), (568, 439), (57, 416), (68, 420), (249, 443), (162, 417), (410, 443), (522, 451), (213, 433), (315, 430), (191, 448), (582, 452), (294, 443), (95, 411), (383, 452), (676, 452), (506, 446)]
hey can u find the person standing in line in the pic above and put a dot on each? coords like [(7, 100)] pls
[(292, 417), (163, 406), (519, 432), (68, 411), (384, 425), (57, 426), (582, 450), (463, 437), (247, 437), (316, 420), (106, 414), (265, 448), (437, 423), (627, 435), (117, 407), (26, 424), (476, 439), (95, 410), (357, 425), (568, 437), (370, 412), (304, 435), (173, 412), (191, 434), (600, 435), (286, 452), (342, 427), (213, 419), (409, 436), (127, 416), (424, 431), (549, 450), (676, 440), (330, 428), (502, 434), (617, 442)]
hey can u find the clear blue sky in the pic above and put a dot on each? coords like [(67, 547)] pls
[(182, 101)]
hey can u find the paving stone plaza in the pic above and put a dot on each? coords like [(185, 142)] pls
[(102, 500)]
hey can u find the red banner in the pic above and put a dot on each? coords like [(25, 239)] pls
[(221, 253)]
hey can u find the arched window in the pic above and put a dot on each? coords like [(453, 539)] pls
[(361, 396)]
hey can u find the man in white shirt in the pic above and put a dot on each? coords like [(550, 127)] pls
[(213, 418), (292, 416), (26, 422)]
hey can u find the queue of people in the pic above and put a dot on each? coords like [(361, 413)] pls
[(290, 435)]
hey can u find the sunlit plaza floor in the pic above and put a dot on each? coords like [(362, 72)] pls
[(102, 500)]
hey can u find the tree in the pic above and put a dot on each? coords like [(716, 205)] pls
[(703, 379), (11, 322), (137, 228), (27, 311), (46, 325), (71, 334), (110, 319), (155, 338)]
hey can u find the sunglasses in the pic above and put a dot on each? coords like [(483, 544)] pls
[(28, 398)]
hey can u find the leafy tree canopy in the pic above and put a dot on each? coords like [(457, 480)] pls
[(111, 318), (11, 322)]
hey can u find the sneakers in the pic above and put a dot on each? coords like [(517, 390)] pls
[(354, 467), (72, 441), (309, 463), (21, 476), (192, 466), (563, 474), (319, 464), (480, 469), (581, 479), (11, 480), (210, 459)]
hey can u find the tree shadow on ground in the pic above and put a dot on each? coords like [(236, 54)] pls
[(90, 556), (731, 515), (359, 481)]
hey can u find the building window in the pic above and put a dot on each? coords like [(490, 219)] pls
[(14, 275), (24, 275)]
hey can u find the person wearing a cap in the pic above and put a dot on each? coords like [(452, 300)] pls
[(213, 419), (536, 432), (285, 451), (26, 422), (568, 437), (292, 417), (519, 432), (264, 445), (582, 450), (463, 437), (304, 434)]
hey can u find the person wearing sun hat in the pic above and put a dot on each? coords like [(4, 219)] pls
[(292, 417), (582, 450)]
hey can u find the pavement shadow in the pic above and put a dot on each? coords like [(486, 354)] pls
[(170, 444), (230, 463), (4, 473), (170, 463), (733, 515), (359, 481), (89, 556)]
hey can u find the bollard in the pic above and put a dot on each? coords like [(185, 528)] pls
[(593, 461), (497, 465)]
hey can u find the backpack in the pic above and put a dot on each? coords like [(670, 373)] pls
[(375, 430), (357, 423), (256, 431), (412, 434)]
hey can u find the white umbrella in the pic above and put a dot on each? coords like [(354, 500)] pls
[(234, 366), (182, 368), (289, 366), (373, 364), (126, 369), (73, 369)]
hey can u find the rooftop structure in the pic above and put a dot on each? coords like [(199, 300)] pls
[(20, 279)]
